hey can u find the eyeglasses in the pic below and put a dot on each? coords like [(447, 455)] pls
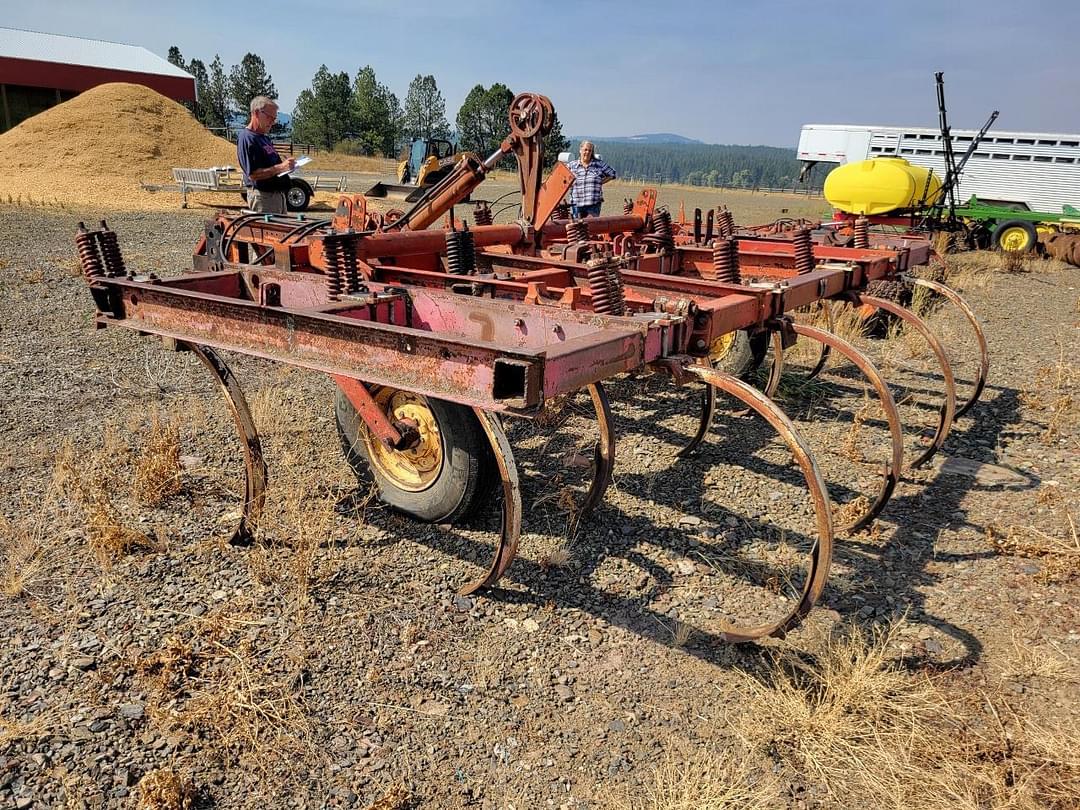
[(271, 115)]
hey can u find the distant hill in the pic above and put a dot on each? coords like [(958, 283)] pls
[(652, 137), (696, 163)]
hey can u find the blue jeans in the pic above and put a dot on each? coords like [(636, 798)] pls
[(582, 211)]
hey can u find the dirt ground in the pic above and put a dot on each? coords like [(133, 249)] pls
[(146, 662)]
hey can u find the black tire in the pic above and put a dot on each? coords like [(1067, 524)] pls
[(744, 356), (467, 474), (1016, 235), (298, 195)]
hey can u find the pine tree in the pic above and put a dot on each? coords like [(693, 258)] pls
[(175, 58), (483, 120), (374, 112), (554, 142), (198, 70), (250, 79), (322, 115), (425, 110), (215, 101)]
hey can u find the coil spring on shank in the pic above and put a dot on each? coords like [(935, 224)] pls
[(662, 228), (804, 251), (725, 223), (606, 288), (562, 211), (348, 258), (482, 214), (460, 253), (577, 230), (726, 260), (627, 205), (89, 257), (334, 248), (111, 256), (862, 233)]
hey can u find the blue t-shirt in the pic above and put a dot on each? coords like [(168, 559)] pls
[(254, 152)]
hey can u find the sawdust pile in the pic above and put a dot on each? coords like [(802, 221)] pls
[(96, 148)]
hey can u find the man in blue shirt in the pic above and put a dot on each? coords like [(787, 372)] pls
[(265, 173), (590, 174)]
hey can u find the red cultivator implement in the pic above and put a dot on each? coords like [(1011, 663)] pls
[(435, 336)]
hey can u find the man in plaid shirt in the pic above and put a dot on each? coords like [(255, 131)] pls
[(590, 174)]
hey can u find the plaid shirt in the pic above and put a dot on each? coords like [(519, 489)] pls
[(588, 180)]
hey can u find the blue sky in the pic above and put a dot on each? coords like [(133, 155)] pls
[(720, 72)]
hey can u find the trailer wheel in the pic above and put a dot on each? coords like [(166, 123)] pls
[(440, 480), (298, 196), (1015, 235)]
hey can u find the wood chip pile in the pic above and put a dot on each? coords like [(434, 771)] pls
[(96, 148)]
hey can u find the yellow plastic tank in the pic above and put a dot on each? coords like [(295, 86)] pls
[(880, 185)]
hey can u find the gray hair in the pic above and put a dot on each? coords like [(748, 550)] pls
[(587, 143), (262, 102)]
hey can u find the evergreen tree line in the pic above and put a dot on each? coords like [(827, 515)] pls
[(358, 115), (221, 96), (361, 115), (704, 164)]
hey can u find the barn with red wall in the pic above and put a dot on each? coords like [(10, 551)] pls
[(38, 70)]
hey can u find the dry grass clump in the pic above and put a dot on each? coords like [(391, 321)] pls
[(1013, 261), (88, 482), (27, 562), (871, 734), (227, 683), (1025, 661), (157, 468), (1061, 557), (13, 730), (163, 789), (1056, 393), (397, 798), (706, 780), (557, 557)]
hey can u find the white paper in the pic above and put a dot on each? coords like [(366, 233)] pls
[(303, 160)]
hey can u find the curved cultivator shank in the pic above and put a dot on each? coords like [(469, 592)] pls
[(891, 472), (947, 411), (254, 466), (821, 553), (510, 533), (984, 354)]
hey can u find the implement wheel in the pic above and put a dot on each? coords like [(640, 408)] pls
[(1016, 236), (439, 480), (738, 353)]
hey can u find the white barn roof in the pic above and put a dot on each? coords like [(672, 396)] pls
[(18, 44)]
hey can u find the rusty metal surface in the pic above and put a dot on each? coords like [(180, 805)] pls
[(947, 412), (705, 420), (891, 472), (559, 351), (984, 353), (821, 555), (604, 452), (510, 534), (254, 465)]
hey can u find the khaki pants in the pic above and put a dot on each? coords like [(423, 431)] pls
[(266, 202)]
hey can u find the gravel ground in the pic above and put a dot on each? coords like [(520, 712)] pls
[(334, 665)]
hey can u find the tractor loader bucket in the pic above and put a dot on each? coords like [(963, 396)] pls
[(394, 191)]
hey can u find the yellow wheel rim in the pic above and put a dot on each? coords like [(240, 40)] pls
[(417, 468), (720, 347), (1014, 239)]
